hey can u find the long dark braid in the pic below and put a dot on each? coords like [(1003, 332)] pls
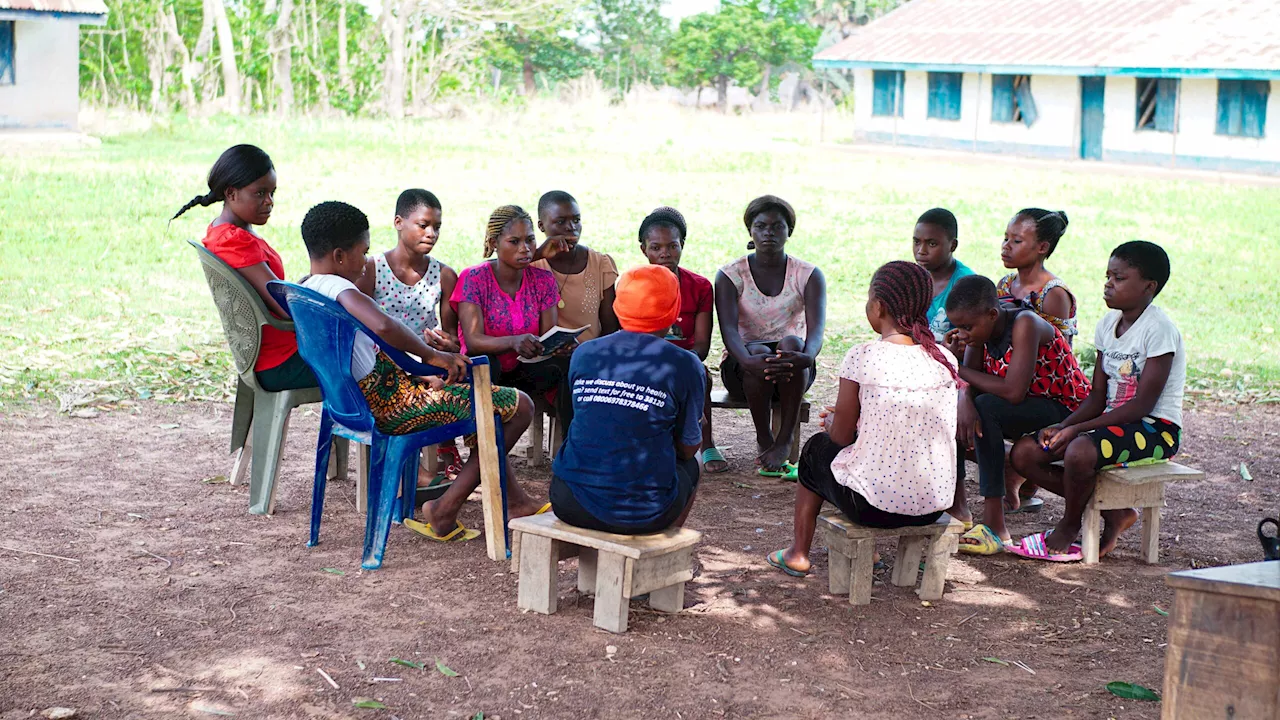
[(237, 167), (906, 290)]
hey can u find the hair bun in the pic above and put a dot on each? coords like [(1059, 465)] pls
[(1063, 214)]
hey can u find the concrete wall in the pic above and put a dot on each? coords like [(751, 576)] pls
[(46, 72), (1056, 133)]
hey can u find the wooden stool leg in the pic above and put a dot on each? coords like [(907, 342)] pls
[(1151, 535), (935, 567), (839, 566), (907, 566), (586, 570), (611, 602), (515, 550), (535, 453), (860, 573), (669, 599), (795, 444), (362, 478), (1091, 535), (538, 566)]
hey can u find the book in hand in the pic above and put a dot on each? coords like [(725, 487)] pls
[(554, 339)]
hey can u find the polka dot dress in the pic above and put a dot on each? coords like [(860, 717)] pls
[(904, 459), (417, 305)]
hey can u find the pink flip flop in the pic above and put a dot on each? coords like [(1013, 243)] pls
[(1033, 547)]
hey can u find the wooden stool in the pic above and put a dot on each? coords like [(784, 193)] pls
[(721, 399), (851, 552), (1223, 659), (1139, 487), (615, 567), (537, 451)]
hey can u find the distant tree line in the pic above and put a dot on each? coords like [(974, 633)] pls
[(396, 57)]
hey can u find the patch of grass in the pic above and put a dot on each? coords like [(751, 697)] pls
[(97, 284)]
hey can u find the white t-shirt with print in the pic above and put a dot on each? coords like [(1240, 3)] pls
[(363, 352), (904, 458), (1123, 359)]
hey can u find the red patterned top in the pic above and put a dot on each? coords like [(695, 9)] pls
[(1057, 376)]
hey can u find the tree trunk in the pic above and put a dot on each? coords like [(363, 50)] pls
[(280, 42), (227, 51), (186, 68), (761, 102), (530, 87), (722, 93), (394, 91), (344, 66)]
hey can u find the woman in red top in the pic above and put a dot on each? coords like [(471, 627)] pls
[(662, 236), (1022, 377), (244, 181)]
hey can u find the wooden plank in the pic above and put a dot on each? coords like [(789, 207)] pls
[(515, 551), (1256, 580), (362, 478), (937, 557), (860, 573), (720, 400), (538, 589), (535, 454), (944, 525), (429, 459), (907, 567), (490, 482), (669, 599), (1151, 535), (1091, 535), (632, 546), (1142, 474), (656, 572), (611, 603), (839, 567), (1115, 496), (586, 571)]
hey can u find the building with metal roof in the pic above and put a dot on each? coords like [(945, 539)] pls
[(1185, 83), (40, 61)]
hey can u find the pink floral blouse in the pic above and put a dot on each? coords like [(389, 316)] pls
[(504, 315)]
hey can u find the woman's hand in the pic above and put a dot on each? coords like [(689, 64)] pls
[(566, 350), (826, 415), (453, 364), (968, 426), (956, 341), (552, 246), (526, 346), (440, 340), (1059, 439)]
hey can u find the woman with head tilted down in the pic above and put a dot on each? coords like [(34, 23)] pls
[(772, 309), (629, 463)]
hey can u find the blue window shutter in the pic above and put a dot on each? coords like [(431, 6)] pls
[(1166, 104), (6, 52), (1027, 103), (1253, 107), (944, 95), (899, 92), (1226, 88), (885, 101), (1001, 98)]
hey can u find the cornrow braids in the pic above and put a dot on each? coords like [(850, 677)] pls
[(667, 217), (236, 167), (906, 290), (498, 222), (1050, 225)]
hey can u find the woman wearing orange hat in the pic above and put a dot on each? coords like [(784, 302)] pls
[(629, 464)]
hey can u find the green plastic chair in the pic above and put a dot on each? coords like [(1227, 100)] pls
[(263, 412)]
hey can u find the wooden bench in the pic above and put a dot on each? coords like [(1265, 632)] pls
[(1140, 487), (720, 400), (851, 553), (614, 567)]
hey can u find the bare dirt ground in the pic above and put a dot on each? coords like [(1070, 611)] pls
[(173, 601)]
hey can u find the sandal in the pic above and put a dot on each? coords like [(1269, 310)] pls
[(1033, 547), (984, 542), (460, 532), (713, 455), (1030, 504), (775, 559), (787, 472)]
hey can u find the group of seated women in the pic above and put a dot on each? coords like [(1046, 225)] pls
[(960, 363)]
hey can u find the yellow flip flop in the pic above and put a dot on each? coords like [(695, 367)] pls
[(460, 532), (986, 542), (544, 509)]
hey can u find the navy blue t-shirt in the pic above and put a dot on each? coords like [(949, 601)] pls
[(634, 396)]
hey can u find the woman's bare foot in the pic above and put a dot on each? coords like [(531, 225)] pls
[(961, 512), (796, 561), (763, 443), (523, 509), (775, 456), (1062, 536), (425, 477), (1114, 522), (440, 520)]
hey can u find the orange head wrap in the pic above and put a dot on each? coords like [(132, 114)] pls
[(647, 299)]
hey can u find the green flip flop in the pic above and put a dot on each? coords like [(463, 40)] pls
[(787, 472), (711, 455), (775, 559)]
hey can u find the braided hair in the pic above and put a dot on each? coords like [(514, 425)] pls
[(667, 217), (906, 290), (235, 168), (498, 222), (1050, 225)]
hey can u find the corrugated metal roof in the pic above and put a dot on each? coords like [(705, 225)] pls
[(1107, 35), (77, 7)]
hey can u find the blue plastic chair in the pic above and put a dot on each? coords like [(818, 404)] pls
[(326, 333)]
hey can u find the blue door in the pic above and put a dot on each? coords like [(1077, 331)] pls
[(1092, 94)]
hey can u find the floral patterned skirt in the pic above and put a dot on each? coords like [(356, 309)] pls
[(402, 403)]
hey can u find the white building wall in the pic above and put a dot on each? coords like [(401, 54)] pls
[(1120, 120), (1057, 125), (1197, 134), (46, 73)]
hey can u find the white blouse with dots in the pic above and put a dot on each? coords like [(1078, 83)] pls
[(904, 458), (416, 305)]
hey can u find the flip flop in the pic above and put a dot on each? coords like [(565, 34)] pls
[(1033, 547), (544, 509), (787, 472), (711, 455), (460, 532), (1031, 504), (775, 559), (987, 542)]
